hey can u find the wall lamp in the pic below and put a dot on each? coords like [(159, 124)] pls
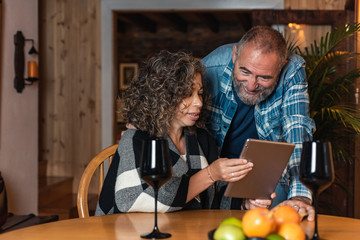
[(19, 81)]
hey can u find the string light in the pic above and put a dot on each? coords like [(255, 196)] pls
[(294, 26)]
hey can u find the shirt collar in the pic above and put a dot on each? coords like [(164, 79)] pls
[(226, 83)]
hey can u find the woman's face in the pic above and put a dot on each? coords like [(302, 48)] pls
[(189, 108)]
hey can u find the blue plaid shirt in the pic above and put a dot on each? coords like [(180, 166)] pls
[(283, 116)]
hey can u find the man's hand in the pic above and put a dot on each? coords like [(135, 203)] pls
[(302, 205)]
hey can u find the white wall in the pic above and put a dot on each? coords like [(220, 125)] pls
[(18, 111)]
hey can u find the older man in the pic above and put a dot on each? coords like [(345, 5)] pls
[(258, 91)]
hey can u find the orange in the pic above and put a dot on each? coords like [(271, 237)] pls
[(285, 214), (257, 222), (291, 231)]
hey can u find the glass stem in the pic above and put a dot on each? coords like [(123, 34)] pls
[(156, 196), (316, 205)]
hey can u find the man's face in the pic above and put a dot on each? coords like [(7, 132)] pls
[(255, 74)]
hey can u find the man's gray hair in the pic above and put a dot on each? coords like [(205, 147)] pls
[(266, 39)]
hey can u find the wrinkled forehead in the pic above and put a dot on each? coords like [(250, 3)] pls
[(263, 49)]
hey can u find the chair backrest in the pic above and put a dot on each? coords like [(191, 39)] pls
[(96, 162)]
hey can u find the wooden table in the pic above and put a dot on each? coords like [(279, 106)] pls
[(14, 222), (182, 225)]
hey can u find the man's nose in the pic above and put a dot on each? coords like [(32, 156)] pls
[(252, 84)]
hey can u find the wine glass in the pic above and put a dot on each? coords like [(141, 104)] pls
[(155, 170), (316, 171)]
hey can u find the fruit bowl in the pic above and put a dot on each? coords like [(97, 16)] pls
[(211, 236), (279, 223)]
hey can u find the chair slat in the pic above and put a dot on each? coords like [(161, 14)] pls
[(95, 163), (101, 176)]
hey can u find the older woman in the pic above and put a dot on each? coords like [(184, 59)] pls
[(166, 100)]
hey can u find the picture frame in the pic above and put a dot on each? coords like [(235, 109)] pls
[(127, 72)]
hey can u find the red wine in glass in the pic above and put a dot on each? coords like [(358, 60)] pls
[(155, 170), (316, 171)]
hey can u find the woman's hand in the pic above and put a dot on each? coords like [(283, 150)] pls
[(256, 203), (230, 170)]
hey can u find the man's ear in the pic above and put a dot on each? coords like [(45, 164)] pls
[(285, 62), (283, 65), (234, 54)]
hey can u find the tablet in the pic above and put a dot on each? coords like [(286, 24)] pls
[(270, 159)]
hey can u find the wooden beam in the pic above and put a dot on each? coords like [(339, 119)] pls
[(139, 20), (175, 21), (245, 20), (210, 21), (311, 17)]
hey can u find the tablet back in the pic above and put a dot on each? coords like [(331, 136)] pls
[(270, 159)]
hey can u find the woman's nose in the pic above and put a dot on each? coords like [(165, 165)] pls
[(197, 101)]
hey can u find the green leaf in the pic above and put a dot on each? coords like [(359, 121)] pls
[(330, 88)]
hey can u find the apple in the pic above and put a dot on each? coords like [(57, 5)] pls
[(233, 221), (229, 232), (275, 237)]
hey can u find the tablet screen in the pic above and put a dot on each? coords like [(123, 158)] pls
[(270, 159)]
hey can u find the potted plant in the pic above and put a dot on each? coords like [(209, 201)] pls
[(331, 73)]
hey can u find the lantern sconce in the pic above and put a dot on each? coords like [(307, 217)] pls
[(19, 81)]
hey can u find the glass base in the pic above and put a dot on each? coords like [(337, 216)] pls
[(316, 236), (156, 235)]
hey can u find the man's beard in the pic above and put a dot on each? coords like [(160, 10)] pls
[(262, 92)]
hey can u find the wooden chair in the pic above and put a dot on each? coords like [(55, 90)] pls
[(96, 162)]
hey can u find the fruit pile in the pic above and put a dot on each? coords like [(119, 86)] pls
[(280, 223)]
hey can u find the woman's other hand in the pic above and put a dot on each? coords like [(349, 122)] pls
[(256, 203)]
